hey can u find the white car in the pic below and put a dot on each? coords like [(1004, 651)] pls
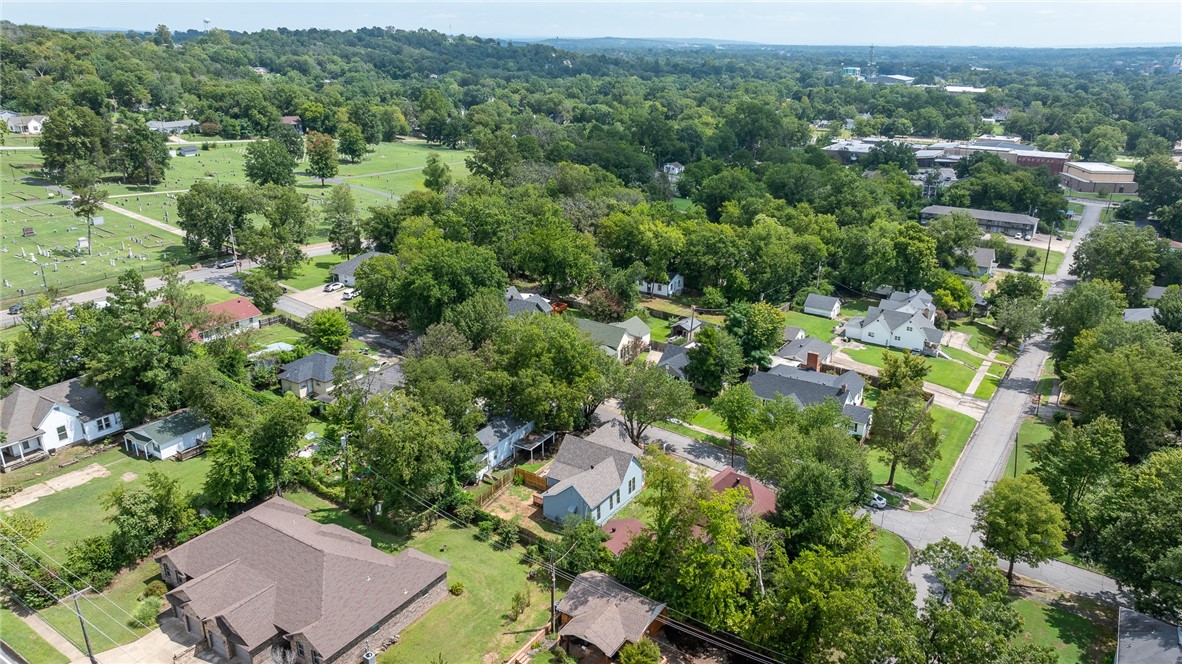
[(334, 286), (349, 294), (878, 502)]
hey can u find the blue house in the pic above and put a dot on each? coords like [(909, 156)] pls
[(498, 438), (593, 477)]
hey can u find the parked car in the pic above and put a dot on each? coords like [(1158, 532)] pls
[(878, 502), (16, 308), (1026, 237), (350, 294), (1059, 237), (334, 286), (1017, 236), (223, 264)]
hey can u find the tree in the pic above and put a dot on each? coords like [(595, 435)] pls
[(1015, 285), (1137, 532), (289, 223), (340, 211), (915, 256), (900, 370), (278, 430), (262, 289), (553, 251), (73, 135), (1159, 181), (649, 394), (1018, 318), (436, 174), (269, 162), (82, 180), (212, 395), (322, 156), (495, 157), (290, 138), (210, 212), (479, 317), (1084, 306), (1019, 522), (905, 432), (1122, 254), (582, 542), (230, 480), (956, 237), (715, 361), (1167, 310), (148, 517), (352, 142), (644, 651), (737, 406), (328, 329), (759, 329), (46, 352), (1102, 143), (1074, 463)]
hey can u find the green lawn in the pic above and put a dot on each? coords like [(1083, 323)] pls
[(107, 625), (316, 272), (708, 419), (1107, 197), (963, 356), (658, 328), (948, 373), (27, 643), (464, 628), (1052, 265), (981, 337), (212, 293), (954, 429), (1075, 639), (399, 155), (987, 387), (814, 326), (857, 307), (682, 204), (275, 334), (76, 513), (39, 472), (891, 549), (1032, 431)]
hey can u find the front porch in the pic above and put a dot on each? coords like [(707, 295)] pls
[(16, 456)]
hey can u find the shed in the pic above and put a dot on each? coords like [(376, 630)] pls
[(168, 436)]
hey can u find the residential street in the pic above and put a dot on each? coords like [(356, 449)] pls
[(984, 460)]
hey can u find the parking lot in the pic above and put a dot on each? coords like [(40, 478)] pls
[(318, 299)]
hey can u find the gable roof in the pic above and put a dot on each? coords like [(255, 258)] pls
[(1138, 315), (763, 499), (272, 570), (985, 258), (349, 267), (87, 401), (804, 387), (238, 309), (818, 301), (798, 349), (317, 366), (634, 327), (610, 337), (594, 466), (689, 324), (26, 120), (792, 332), (606, 614), (522, 303), (169, 427), (675, 359), (1155, 293), (981, 215), (496, 430), (157, 125), (21, 413), (1142, 639)]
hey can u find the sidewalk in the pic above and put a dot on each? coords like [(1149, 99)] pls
[(51, 635), (147, 220), (982, 371), (945, 397)]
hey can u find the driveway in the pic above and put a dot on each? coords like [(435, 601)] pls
[(316, 298), (679, 445)]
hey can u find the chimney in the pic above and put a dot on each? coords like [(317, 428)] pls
[(812, 360), (843, 389)]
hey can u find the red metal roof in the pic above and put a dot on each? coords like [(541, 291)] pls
[(621, 532), (763, 498), (236, 310)]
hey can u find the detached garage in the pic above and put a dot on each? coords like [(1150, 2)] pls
[(822, 305)]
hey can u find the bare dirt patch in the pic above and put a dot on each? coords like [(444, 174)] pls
[(31, 494), (128, 477)]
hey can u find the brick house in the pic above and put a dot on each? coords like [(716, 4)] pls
[(271, 579)]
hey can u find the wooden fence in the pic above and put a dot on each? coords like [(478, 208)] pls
[(490, 494), (531, 480), (520, 657)]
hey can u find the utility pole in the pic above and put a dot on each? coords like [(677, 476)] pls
[(81, 621), (553, 586), (1048, 256), (234, 250)]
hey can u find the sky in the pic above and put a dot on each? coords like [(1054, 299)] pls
[(1056, 23)]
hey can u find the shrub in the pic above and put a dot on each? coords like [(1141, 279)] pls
[(521, 602), (507, 532), (712, 298), (466, 512), (93, 559), (518, 480), (485, 530), (456, 588), (146, 612), (156, 588), (644, 651)]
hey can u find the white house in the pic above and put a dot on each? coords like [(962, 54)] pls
[(624, 340), (168, 436), (822, 305), (230, 317), (498, 438), (26, 124), (593, 477), (904, 320), (39, 422), (807, 387), (665, 289), (345, 270), (673, 169), (173, 127)]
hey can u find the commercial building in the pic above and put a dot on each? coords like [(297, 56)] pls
[(1006, 223), (1094, 177)]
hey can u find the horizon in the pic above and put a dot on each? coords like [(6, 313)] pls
[(885, 23)]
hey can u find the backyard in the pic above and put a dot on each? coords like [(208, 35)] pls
[(945, 372), (1052, 264)]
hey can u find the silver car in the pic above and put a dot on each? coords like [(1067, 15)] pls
[(877, 502), (334, 286)]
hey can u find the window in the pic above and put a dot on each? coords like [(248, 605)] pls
[(299, 649), (632, 485), (910, 329), (611, 501), (598, 514), (61, 433), (166, 572), (104, 423), (896, 337), (870, 334), (315, 657)]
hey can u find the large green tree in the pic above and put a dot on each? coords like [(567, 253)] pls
[(759, 329), (1084, 306), (269, 162), (277, 245), (1076, 461), (715, 361), (904, 431), (648, 394), (276, 435), (210, 212), (1019, 521), (1122, 254), (344, 227), (72, 135), (322, 156)]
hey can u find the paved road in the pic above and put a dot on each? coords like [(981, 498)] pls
[(678, 444), (984, 460)]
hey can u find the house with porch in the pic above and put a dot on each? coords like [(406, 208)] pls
[(272, 585), (499, 438), (598, 616), (230, 317), (182, 432), (40, 422), (807, 387), (26, 124), (173, 127), (901, 320), (985, 262), (593, 477)]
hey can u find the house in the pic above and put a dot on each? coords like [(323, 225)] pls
[(273, 585), (890, 79), (187, 151), (669, 288), (593, 477), (26, 124), (6, 115), (526, 303), (345, 270), (1139, 314), (847, 151), (980, 301), (498, 438), (168, 436), (620, 533), (807, 387), (903, 320), (1096, 177), (674, 360), (686, 327), (623, 341), (230, 317), (673, 169), (598, 616), (173, 127), (1141, 639), (293, 121), (1154, 293), (39, 422), (792, 333), (984, 259), (763, 499), (1006, 223), (309, 377), (822, 305), (807, 351)]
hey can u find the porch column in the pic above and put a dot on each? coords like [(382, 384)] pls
[(20, 448)]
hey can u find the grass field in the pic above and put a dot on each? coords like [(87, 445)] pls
[(464, 628), (987, 387), (954, 429), (814, 326), (212, 293), (57, 231), (658, 328), (276, 333), (949, 373), (1056, 259), (1032, 431), (108, 623), (982, 338), (400, 155), (315, 272), (891, 549), (1075, 639), (27, 643)]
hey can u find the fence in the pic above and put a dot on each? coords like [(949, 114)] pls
[(520, 657), (490, 494), (74, 286), (531, 480)]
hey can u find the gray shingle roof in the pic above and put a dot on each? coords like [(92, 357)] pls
[(1142, 639), (606, 614), (984, 257), (21, 413), (496, 430), (674, 359), (804, 387), (688, 324), (635, 327), (607, 336), (272, 570), (349, 267), (823, 302), (1155, 292), (981, 215), (798, 349), (169, 427), (858, 414), (594, 466), (792, 332), (157, 125), (88, 401), (522, 303), (317, 366), (1138, 315)]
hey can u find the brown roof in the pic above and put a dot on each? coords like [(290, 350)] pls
[(763, 499), (274, 571), (235, 310), (606, 614), (620, 533), (88, 401), (21, 413)]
